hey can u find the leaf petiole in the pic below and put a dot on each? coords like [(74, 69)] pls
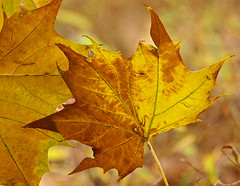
[(158, 162)]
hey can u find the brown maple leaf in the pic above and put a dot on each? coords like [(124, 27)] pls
[(122, 103)]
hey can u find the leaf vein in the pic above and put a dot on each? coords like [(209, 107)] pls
[(24, 37), (182, 98), (15, 162)]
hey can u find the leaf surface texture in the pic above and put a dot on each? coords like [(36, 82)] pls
[(30, 88)]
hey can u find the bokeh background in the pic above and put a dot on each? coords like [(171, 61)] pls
[(209, 30)]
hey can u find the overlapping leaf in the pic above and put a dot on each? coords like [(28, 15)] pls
[(121, 103), (33, 4), (11, 6), (30, 88)]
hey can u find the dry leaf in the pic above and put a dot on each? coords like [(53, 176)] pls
[(121, 103)]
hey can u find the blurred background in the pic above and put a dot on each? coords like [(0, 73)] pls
[(208, 31)]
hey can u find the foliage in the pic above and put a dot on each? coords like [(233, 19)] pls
[(120, 102), (31, 88)]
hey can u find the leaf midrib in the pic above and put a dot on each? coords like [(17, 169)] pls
[(155, 101)]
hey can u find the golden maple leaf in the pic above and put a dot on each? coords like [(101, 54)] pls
[(122, 103), (30, 88)]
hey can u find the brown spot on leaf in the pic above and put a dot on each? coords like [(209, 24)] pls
[(153, 130), (25, 64), (141, 73), (166, 92), (168, 78), (208, 78), (17, 61), (173, 89), (170, 62)]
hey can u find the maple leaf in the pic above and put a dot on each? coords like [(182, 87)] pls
[(30, 88), (122, 103)]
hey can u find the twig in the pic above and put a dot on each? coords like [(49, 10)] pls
[(158, 163)]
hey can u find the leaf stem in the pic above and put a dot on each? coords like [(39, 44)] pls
[(158, 163)]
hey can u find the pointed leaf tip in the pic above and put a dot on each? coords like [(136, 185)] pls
[(158, 33), (94, 43), (218, 65), (148, 7)]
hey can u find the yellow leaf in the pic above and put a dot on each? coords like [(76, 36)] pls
[(30, 88)]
